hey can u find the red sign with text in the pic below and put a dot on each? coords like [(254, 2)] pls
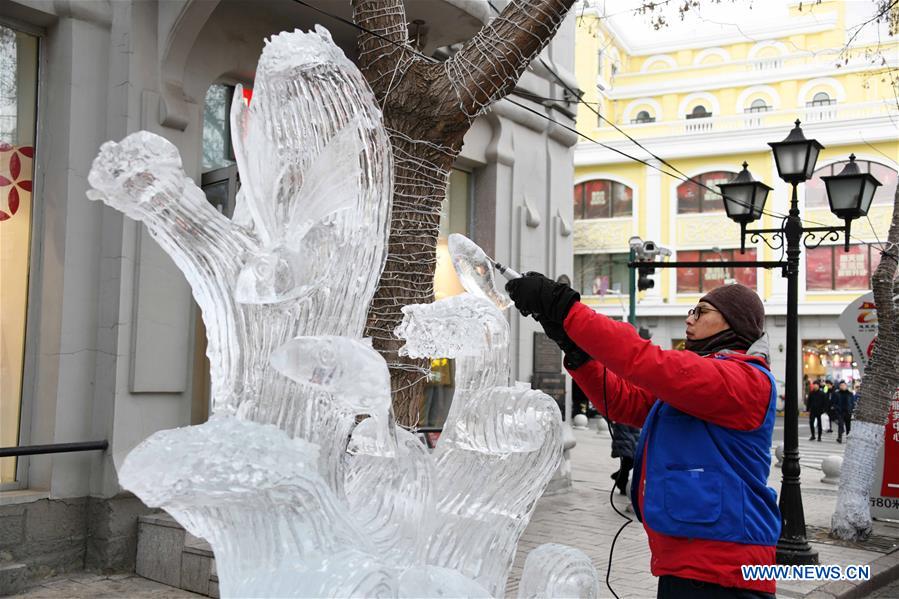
[(890, 485)]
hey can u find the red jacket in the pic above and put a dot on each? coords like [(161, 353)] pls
[(729, 393)]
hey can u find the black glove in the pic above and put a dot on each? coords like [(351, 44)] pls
[(536, 294), (575, 357)]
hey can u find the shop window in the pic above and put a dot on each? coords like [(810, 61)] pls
[(703, 195), (18, 103), (829, 268), (217, 150), (828, 360), (454, 218), (602, 198), (701, 280), (816, 193), (597, 274)]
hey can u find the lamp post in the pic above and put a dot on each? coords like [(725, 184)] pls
[(850, 195)]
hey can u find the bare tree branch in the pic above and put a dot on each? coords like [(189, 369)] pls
[(383, 54), (428, 106), (489, 65)]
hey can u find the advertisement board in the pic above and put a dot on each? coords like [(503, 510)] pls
[(859, 324)]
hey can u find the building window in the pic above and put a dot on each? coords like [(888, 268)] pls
[(454, 218), (602, 198), (643, 117), (597, 274), (693, 197), (829, 268), (758, 106), (18, 112), (816, 193), (821, 99), (699, 112), (701, 280), (599, 57)]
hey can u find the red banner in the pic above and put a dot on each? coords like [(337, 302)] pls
[(890, 485)]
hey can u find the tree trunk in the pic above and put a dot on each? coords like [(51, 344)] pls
[(428, 107), (852, 516)]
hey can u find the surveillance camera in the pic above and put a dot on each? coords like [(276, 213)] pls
[(664, 252), (650, 250), (635, 243)]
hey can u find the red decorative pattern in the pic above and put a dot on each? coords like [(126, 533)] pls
[(11, 168)]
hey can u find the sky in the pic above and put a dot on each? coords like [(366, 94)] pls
[(741, 19)]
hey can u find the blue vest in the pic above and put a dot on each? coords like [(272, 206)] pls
[(705, 481)]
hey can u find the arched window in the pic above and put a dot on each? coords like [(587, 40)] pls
[(699, 112), (821, 99), (703, 195), (643, 117), (602, 198), (758, 105), (816, 193)]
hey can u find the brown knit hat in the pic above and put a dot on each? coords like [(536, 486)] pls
[(741, 308)]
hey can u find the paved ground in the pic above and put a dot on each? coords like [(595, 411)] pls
[(584, 519), (116, 586), (890, 591)]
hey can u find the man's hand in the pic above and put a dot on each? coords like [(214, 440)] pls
[(536, 294)]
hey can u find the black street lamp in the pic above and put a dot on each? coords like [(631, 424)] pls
[(850, 195), (744, 200)]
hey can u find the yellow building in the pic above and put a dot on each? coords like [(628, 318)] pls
[(702, 96)]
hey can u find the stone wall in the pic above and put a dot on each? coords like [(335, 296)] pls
[(47, 537)]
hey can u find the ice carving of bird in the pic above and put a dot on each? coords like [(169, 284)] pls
[(299, 231)]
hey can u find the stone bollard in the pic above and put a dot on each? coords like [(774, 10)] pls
[(580, 421), (602, 427), (831, 467), (779, 453)]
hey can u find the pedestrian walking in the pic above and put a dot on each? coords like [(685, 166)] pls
[(624, 446), (843, 402), (702, 461), (817, 405), (831, 412)]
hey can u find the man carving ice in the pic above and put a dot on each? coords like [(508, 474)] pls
[(707, 413)]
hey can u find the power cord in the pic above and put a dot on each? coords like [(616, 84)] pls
[(612, 495)]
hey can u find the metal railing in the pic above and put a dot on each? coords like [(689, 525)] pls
[(7, 452)]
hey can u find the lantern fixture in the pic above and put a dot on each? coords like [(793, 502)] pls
[(796, 156), (850, 193), (744, 200)]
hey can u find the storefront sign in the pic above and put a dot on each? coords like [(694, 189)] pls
[(551, 384), (547, 355), (859, 324)]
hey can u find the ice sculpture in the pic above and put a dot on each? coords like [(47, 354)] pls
[(476, 270), (500, 444), (552, 570), (301, 481), (309, 228)]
